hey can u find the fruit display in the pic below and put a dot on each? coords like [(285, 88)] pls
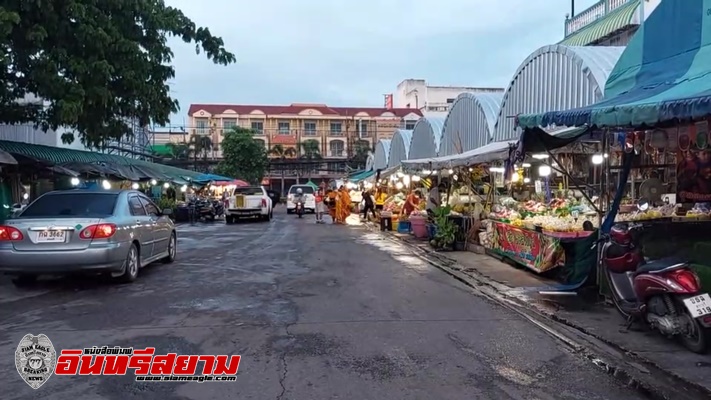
[(394, 203), (650, 214)]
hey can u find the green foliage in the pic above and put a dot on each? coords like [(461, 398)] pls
[(310, 150), (361, 148), (100, 65), (166, 202), (446, 229), (243, 156), (282, 152)]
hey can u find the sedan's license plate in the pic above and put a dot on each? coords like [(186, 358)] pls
[(699, 306), (51, 236)]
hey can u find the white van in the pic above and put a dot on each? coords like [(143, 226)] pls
[(309, 198)]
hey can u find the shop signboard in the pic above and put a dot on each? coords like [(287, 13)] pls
[(534, 250), (693, 164)]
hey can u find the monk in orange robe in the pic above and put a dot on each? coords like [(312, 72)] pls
[(332, 196), (345, 202)]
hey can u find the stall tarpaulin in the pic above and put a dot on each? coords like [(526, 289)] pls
[(497, 151), (663, 75), (532, 249), (538, 140)]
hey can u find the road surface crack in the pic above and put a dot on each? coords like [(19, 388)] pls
[(284, 369)]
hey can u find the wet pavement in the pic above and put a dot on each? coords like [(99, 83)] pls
[(315, 311)]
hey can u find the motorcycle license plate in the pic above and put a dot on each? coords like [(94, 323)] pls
[(699, 306)]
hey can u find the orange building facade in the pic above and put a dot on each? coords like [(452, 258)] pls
[(335, 130)]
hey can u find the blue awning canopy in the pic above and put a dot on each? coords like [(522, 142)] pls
[(212, 178), (359, 176), (664, 74)]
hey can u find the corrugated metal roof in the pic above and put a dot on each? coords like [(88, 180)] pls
[(555, 77), (615, 21), (382, 154), (470, 122), (399, 147), (426, 137)]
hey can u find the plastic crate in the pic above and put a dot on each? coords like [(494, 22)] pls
[(404, 227)]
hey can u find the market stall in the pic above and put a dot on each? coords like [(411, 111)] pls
[(653, 122)]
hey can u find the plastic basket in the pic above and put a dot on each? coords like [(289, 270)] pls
[(404, 227)]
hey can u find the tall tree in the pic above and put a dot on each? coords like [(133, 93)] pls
[(201, 145), (179, 151), (361, 149), (282, 153), (243, 156), (97, 65), (310, 151)]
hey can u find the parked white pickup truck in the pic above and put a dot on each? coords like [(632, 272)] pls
[(246, 202)]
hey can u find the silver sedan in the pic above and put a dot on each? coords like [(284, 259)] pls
[(86, 231)]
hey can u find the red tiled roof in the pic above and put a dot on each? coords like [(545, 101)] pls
[(295, 109), (283, 139)]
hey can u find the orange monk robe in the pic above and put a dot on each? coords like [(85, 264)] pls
[(332, 204), (345, 205)]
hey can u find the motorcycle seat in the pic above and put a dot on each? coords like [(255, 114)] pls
[(660, 265)]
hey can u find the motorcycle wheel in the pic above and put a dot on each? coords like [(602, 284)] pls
[(697, 340)]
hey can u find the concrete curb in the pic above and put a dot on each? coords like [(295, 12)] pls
[(629, 368)]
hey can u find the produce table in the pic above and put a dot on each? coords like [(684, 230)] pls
[(539, 251)]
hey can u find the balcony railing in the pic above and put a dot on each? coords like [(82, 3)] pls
[(591, 14)]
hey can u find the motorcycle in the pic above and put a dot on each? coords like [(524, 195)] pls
[(299, 208), (204, 209), (666, 293)]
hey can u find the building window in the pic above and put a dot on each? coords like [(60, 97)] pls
[(228, 124), (361, 128), (310, 128), (202, 126), (257, 127), (336, 128), (336, 148), (450, 101), (284, 128), (410, 125)]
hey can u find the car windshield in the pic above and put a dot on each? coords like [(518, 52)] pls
[(68, 205), (304, 189), (248, 191)]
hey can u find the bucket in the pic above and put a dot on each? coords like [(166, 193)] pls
[(431, 231), (419, 227), (403, 227)]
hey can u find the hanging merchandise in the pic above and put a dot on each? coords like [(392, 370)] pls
[(702, 138)]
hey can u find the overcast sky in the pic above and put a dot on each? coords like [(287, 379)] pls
[(350, 53)]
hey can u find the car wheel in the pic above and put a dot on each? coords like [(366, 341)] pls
[(228, 220), (24, 280), (172, 249), (289, 211), (131, 265)]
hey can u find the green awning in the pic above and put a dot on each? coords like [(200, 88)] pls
[(619, 18), (161, 150), (60, 155)]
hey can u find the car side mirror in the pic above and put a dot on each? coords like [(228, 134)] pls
[(167, 211)]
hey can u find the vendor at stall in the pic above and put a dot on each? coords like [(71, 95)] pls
[(380, 196), (434, 198), (411, 203)]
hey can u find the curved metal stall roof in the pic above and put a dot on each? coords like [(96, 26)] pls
[(382, 154), (399, 147), (554, 78), (470, 122), (426, 137)]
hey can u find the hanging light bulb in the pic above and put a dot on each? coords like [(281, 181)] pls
[(184, 188), (106, 184), (75, 181), (399, 185), (154, 182), (526, 165), (526, 180), (451, 171), (166, 185), (544, 170), (135, 186), (597, 159), (515, 177)]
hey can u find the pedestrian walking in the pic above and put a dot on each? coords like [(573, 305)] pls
[(320, 206), (368, 204)]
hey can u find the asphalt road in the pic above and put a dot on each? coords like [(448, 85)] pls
[(316, 311)]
